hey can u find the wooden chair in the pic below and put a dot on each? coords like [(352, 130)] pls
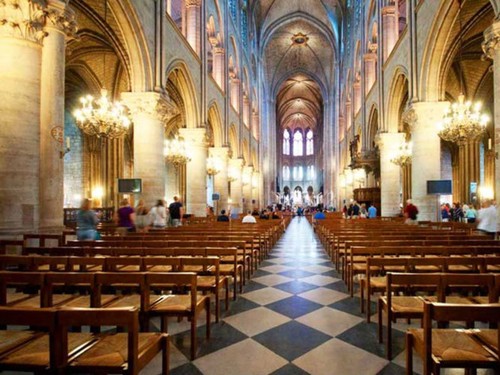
[(229, 265), (31, 350), (124, 353), (161, 264), (440, 348), (186, 305), (50, 263), (86, 264), (209, 278), (123, 264), (27, 289), (16, 263)]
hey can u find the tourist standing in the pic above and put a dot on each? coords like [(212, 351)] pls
[(125, 217), (249, 218), (86, 222), (141, 217), (176, 212), (372, 212), (410, 212), (159, 215), (487, 218)]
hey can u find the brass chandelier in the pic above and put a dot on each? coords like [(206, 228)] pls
[(175, 151), (102, 118), (463, 120), (403, 155)]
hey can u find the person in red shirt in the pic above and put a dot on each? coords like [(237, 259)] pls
[(410, 212)]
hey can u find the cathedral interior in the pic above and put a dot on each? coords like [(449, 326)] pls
[(298, 103), (240, 105)]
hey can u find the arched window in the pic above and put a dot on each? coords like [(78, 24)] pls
[(298, 173), (286, 142), (309, 143), (286, 173), (310, 172), (244, 28), (298, 147), (233, 9)]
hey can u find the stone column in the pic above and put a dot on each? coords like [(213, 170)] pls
[(149, 112), (255, 125), (196, 170), (491, 47), (389, 29), (468, 168), (220, 179), (390, 174), (193, 24), (60, 22), (256, 184), (426, 159), (370, 70), (246, 179), (236, 166), (235, 94), (246, 110), (357, 96), (218, 66), (21, 35)]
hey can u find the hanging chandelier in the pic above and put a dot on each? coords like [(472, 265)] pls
[(403, 155), (102, 118), (463, 120), (232, 174), (214, 165), (175, 151)]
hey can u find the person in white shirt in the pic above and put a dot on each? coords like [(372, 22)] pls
[(159, 215), (249, 219), (487, 218)]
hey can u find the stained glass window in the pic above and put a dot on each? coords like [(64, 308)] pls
[(309, 143), (298, 148), (286, 142)]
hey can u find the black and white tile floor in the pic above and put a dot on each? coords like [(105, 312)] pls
[(294, 317)]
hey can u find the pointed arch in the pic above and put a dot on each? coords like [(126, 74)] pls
[(215, 121), (397, 99)]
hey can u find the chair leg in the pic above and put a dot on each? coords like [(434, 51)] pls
[(362, 296), (165, 362), (193, 336), (227, 293), (217, 305), (389, 336), (379, 328), (409, 353), (207, 307), (164, 323)]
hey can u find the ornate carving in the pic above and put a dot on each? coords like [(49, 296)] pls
[(24, 19), (410, 117), (151, 103), (61, 17), (193, 3), (491, 40)]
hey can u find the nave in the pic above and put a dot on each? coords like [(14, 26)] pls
[(294, 317)]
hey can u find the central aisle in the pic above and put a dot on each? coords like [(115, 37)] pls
[(294, 317)]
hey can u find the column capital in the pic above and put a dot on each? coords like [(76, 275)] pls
[(60, 17), (425, 115), (491, 39), (23, 19), (193, 3), (194, 136), (371, 56), (150, 103), (220, 152), (218, 50), (389, 10)]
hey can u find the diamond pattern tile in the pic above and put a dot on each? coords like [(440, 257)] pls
[(295, 317)]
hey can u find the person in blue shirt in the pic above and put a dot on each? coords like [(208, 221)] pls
[(320, 215), (86, 222), (372, 212)]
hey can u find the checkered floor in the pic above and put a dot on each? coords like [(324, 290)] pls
[(294, 317)]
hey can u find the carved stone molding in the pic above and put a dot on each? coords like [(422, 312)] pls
[(193, 3), (23, 19), (410, 117), (61, 17), (150, 103), (491, 40)]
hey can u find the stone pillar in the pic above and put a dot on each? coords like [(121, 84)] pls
[(235, 94), (196, 170), (468, 168), (426, 159), (21, 35), (246, 179), (370, 70), (193, 24), (348, 115), (220, 179), (235, 167), (256, 184), (389, 29), (255, 125), (491, 47), (149, 111), (59, 23), (218, 66), (246, 110), (390, 173), (357, 96)]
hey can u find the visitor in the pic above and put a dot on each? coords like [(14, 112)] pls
[(355, 210), (86, 222), (410, 213), (363, 213), (249, 218), (445, 213), (471, 214), (159, 215), (176, 212), (125, 217), (276, 214), (487, 219), (372, 212), (223, 216), (142, 219), (458, 214), (264, 214), (320, 215)]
